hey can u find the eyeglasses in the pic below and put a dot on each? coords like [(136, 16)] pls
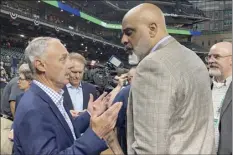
[(20, 79), (215, 56)]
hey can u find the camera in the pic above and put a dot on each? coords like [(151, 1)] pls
[(103, 75)]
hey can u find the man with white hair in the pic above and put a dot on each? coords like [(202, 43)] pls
[(42, 124), (220, 68)]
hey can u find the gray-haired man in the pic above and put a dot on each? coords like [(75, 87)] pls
[(42, 124)]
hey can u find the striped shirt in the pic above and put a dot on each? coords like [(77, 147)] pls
[(218, 94), (57, 98)]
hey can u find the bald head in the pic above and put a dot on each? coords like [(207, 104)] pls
[(222, 47), (220, 61), (143, 27), (146, 13)]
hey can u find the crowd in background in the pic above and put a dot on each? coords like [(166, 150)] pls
[(168, 104)]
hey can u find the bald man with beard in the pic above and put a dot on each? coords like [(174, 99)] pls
[(170, 107), (220, 68)]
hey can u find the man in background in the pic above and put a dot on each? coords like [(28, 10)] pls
[(8, 101), (220, 68), (10, 92), (170, 108), (3, 78), (7, 65), (14, 63), (76, 92)]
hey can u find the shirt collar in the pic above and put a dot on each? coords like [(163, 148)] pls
[(160, 42), (70, 86), (55, 96), (221, 84)]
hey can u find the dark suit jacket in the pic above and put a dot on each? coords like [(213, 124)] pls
[(87, 90), (123, 97), (41, 129), (225, 125)]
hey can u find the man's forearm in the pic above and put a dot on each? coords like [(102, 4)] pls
[(12, 106), (113, 143)]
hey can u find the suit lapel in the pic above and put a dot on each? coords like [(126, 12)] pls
[(54, 109), (77, 133), (67, 100), (85, 95), (227, 99)]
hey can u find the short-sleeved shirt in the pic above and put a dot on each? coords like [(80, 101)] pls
[(9, 94)]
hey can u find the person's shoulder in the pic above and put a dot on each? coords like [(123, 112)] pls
[(20, 95), (30, 101), (88, 85), (27, 97), (9, 85), (31, 98), (12, 81)]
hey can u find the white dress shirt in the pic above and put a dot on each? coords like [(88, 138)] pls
[(76, 95), (218, 95)]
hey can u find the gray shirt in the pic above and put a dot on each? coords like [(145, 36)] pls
[(9, 94)]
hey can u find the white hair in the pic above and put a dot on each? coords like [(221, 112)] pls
[(24, 67), (36, 48)]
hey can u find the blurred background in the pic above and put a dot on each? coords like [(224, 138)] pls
[(93, 28)]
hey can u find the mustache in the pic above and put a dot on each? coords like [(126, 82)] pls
[(213, 65), (129, 50)]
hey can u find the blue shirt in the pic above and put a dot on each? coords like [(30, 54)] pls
[(57, 98), (76, 95)]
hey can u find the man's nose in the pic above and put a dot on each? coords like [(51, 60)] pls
[(124, 40), (211, 59)]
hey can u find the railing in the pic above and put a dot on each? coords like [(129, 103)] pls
[(207, 32), (39, 18)]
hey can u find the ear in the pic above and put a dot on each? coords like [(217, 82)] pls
[(153, 28), (39, 65)]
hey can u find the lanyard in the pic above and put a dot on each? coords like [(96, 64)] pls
[(217, 113)]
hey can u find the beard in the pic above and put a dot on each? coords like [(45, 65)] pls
[(142, 49), (133, 59), (215, 72)]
